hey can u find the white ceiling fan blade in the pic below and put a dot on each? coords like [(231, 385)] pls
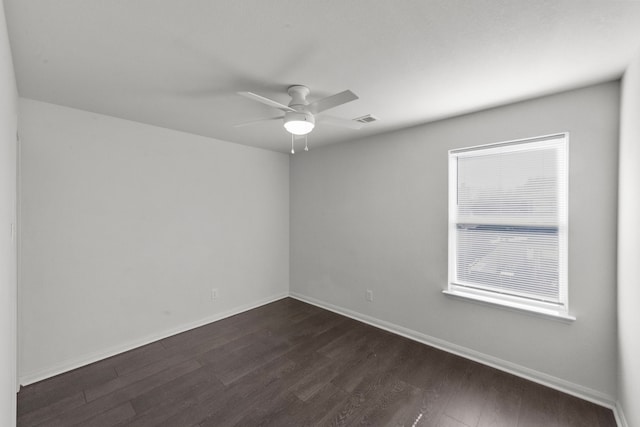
[(337, 121), (253, 122), (267, 101), (332, 101)]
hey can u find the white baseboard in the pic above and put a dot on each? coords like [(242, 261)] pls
[(503, 365), (69, 365)]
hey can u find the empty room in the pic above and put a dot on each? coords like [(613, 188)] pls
[(320, 213)]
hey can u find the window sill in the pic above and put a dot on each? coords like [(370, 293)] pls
[(488, 300)]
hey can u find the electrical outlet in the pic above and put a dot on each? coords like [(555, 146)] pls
[(214, 294), (369, 295)]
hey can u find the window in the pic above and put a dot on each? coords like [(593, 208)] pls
[(508, 224)]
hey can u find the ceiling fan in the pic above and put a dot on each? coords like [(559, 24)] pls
[(300, 115)]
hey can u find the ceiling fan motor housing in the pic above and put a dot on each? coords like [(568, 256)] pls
[(298, 94)]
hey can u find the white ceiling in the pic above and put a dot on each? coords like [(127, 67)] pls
[(178, 64)]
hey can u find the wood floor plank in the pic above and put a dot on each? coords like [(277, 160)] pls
[(447, 421), (293, 364), (44, 413), (120, 382), (179, 389), (349, 343), (137, 358), (111, 417), (326, 400), (503, 401), (278, 413), (315, 342), (112, 400), (158, 407), (308, 327), (605, 417), (367, 394), (467, 403), (440, 380), (237, 397), (541, 408), (370, 356), (52, 390), (323, 372), (397, 404), (574, 412), (188, 348)]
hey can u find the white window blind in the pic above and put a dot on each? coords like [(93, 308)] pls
[(508, 221)]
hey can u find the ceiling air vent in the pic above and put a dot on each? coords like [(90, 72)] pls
[(366, 119)]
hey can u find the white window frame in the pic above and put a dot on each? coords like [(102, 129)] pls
[(476, 292)]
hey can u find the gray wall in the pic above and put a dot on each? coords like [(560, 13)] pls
[(372, 214), (126, 228), (629, 248), (8, 127)]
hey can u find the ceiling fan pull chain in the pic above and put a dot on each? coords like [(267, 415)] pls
[(306, 146), (292, 150)]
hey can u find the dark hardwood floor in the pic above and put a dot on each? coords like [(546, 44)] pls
[(293, 364)]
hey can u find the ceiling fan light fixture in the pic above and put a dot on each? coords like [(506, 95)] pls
[(299, 122)]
